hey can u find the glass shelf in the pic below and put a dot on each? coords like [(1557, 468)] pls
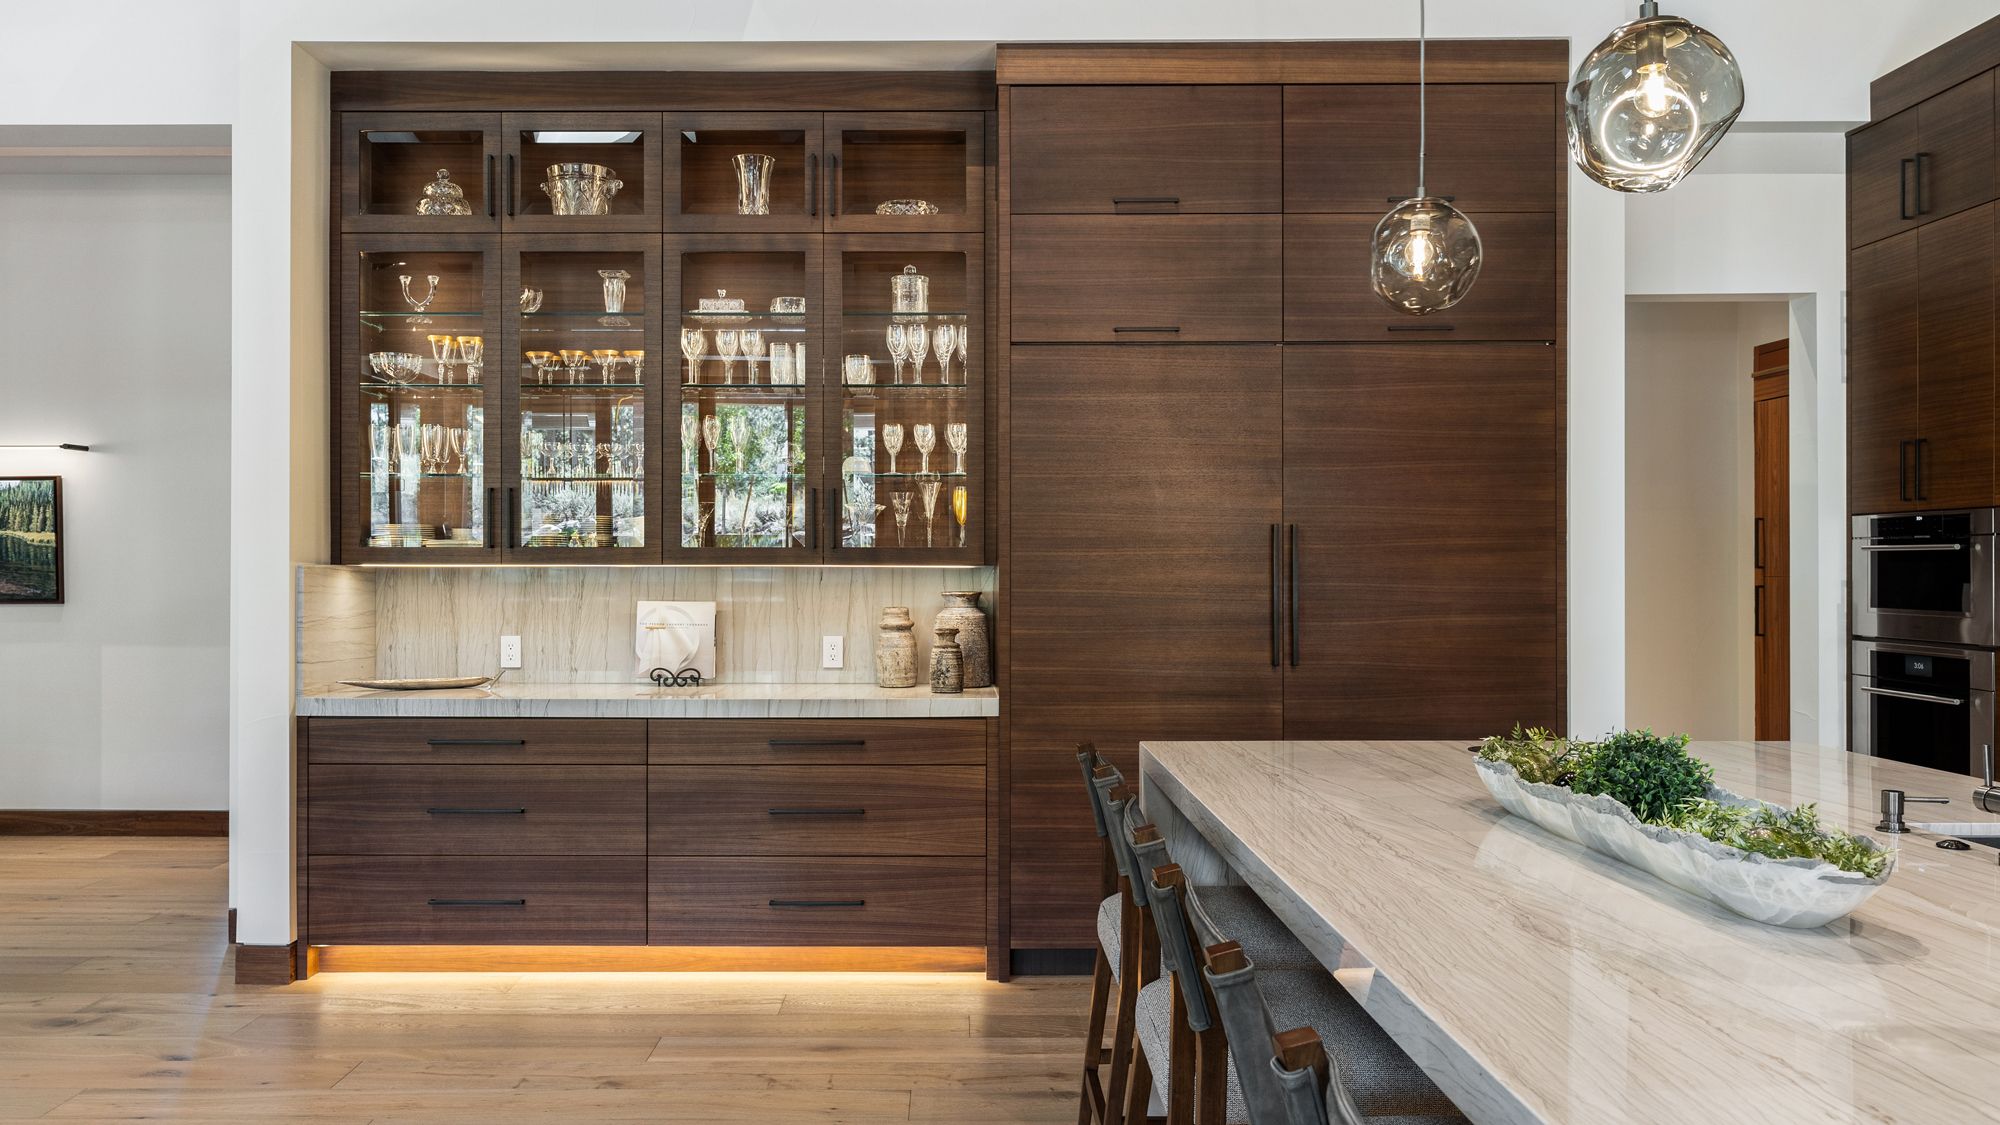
[(908, 390), (751, 474), (774, 390), (862, 314), (580, 314), (578, 388), (908, 476), (583, 480), (408, 387), (426, 476), (585, 329), (746, 314)]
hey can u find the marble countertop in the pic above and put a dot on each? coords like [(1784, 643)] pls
[(506, 700), (1537, 981)]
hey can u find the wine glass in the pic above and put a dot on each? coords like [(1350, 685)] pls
[(456, 436), (954, 436), (739, 438), (919, 344), (925, 435), (472, 352), (902, 502), (711, 436), (899, 349), (692, 343), (690, 452), (892, 442), (930, 490), (727, 344), (944, 335), (958, 510), (963, 333), (441, 351), (752, 340)]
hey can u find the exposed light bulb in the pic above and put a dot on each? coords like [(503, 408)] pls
[(1651, 101), (1657, 92), (1420, 252)]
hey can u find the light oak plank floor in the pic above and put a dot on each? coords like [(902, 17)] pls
[(118, 1003)]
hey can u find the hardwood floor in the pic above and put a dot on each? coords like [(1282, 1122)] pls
[(117, 1003)]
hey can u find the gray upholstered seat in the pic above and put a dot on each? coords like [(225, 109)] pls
[(1387, 1086), (1238, 912)]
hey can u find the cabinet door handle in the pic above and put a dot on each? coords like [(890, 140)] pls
[(479, 902), (1293, 531), (788, 743), (1396, 199), (1148, 328), (513, 519), (1118, 201), (491, 192), (1757, 612), (477, 741), (833, 184), (1423, 327), (510, 185), (816, 812), (1923, 165), (817, 903), (1277, 594), (475, 812), (1903, 470), (1917, 474), (492, 515), (1758, 546), (1903, 189), (812, 519)]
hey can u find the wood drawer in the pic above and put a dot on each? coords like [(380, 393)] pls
[(818, 810), (476, 810), (1105, 149), (884, 742), (742, 901), (1328, 297), (485, 900), (1147, 278), (1492, 147), (523, 741)]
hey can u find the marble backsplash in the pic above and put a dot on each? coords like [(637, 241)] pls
[(575, 623)]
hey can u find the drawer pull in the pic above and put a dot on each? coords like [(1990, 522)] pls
[(1118, 199), (476, 812), (479, 902), (817, 903), (778, 743), (1148, 328), (478, 741), (817, 812), (1423, 328)]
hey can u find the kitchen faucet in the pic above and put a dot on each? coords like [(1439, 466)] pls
[(1986, 788)]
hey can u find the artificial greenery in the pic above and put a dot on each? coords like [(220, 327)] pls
[(1776, 833), (1535, 754), (1646, 773)]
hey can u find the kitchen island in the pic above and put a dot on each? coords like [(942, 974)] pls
[(1537, 981)]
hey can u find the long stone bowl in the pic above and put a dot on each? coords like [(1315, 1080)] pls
[(1796, 893)]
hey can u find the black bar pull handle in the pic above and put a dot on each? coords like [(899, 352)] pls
[(1758, 547), (1903, 189), (510, 185), (1917, 463), (477, 741), (781, 743), (475, 812), (812, 519), (817, 903), (479, 902), (816, 812), (492, 513), (1903, 470), (513, 520), (1294, 599), (833, 185), (1757, 613), (491, 192), (1423, 327), (1277, 594), (812, 184), (1167, 328), (1923, 165)]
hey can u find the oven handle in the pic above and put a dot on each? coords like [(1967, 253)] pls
[(1920, 697), (1913, 546)]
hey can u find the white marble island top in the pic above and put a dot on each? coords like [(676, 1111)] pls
[(506, 700), (1540, 982)]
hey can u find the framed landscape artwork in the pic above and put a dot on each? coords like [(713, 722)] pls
[(31, 541)]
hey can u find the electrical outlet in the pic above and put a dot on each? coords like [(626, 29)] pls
[(510, 652), (833, 652)]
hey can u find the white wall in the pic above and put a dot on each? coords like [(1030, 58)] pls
[(114, 296), (1689, 513)]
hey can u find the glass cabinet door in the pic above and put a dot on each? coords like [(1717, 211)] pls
[(907, 453), (581, 171), (906, 171), (416, 462), (419, 171), (749, 373), (742, 172), (582, 362)]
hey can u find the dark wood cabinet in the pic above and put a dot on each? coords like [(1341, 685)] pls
[(1926, 163), (934, 158), (832, 901), (1354, 148), (477, 900), (533, 198), (1145, 149), (1881, 170), (1955, 359), (818, 810), (478, 810), (1328, 296), (1146, 278), (388, 159), (1882, 374), (1423, 526)]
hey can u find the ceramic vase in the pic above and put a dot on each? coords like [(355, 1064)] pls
[(947, 663), (961, 611), (896, 649)]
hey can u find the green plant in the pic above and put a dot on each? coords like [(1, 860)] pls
[(1646, 773), (1777, 833), (1535, 754)]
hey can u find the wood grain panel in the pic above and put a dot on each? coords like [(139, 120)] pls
[(1956, 163), (818, 810), (1124, 149), (1881, 373), (656, 90), (875, 157), (1935, 71), (778, 902), (535, 900), (1881, 178), (114, 822), (1955, 340), (1422, 482), (1102, 279), (1264, 62), (499, 741), (1353, 148), (1328, 296), (872, 742), (478, 810)]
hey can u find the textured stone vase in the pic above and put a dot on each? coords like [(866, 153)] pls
[(961, 610), (896, 649), (947, 663)]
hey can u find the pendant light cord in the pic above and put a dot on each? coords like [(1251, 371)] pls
[(1423, 94)]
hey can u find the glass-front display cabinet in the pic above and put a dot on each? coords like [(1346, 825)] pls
[(581, 171), (418, 473), (749, 172), (907, 421), (582, 370), (420, 172), (906, 172), (751, 393)]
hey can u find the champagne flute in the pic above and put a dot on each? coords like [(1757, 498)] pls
[(902, 502), (892, 442), (954, 436), (926, 439), (944, 335), (899, 349), (739, 437), (958, 510), (752, 341), (692, 344), (637, 360), (726, 345), (605, 359), (574, 360), (930, 489), (711, 436), (964, 331), (918, 342)]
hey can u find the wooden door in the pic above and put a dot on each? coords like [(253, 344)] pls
[(699, 186), (874, 158), (388, 159), (626, 143), (1771, 550), (1422, 480), (1954, 166), (1882, 374), (1881, 177), (1146, 485), (1353, 148), (1145, 149), (1190, 278), (1952, 465)]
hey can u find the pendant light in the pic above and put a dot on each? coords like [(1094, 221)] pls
[(1651, 101), (1426, 253)]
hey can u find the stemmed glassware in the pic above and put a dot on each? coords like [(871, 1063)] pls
[(930, 491), (442, 352), (541, 362), (958, 510), (902, 502), (727, 342), (637, 360), (963, 332), (954, 436), (739, 438), (421, 306), (919, 344), (692, 343), (606, 359), (945, 336), (472, 352), (752, 341), (574, 360), (899, 349), (892, 442), (690, 452), (925, 435), (711, 436)]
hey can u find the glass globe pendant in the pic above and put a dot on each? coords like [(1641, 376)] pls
[(1651, 101), (1426, 254)]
